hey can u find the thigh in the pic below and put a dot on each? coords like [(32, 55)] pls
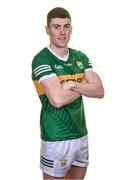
[(76, 172), (46, 176)]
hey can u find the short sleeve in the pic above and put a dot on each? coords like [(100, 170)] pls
[(41, 68), (87, 63)]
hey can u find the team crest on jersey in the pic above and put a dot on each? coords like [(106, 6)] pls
[(79, 64)]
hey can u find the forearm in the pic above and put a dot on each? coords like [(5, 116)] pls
[(63, 97), (57, 94), (68, 96), (94, 90)]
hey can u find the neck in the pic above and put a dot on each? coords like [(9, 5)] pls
[(62, 52)]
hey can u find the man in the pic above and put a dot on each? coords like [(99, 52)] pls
[(61, 76)]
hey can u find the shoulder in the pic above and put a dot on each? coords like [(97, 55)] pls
[(40, 58), (40, 55), (80, 58), (78, 53), (73, 51)]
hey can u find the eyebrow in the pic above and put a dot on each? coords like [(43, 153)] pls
[(60, 25)]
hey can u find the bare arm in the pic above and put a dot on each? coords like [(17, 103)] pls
[(90, 87), (57, 96)]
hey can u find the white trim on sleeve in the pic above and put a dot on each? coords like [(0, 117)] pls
[(46, 76), (88, 69)]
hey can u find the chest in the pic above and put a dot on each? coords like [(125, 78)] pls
[(70, 70), (68, 67)]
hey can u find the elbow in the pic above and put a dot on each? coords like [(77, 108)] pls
[(57, 102), (101, 94), (58, 105)]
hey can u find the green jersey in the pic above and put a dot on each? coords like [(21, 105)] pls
[(67, 122)]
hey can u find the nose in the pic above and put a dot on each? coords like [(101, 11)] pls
[(62, 30)]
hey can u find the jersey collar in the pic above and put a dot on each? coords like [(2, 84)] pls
[(59, 57)]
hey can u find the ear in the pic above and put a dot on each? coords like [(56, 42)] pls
[(71, 29), (47, 29)]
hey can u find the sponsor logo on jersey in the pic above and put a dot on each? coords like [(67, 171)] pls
[(79, 64), (73, 77), (59, 67), (66, 80)]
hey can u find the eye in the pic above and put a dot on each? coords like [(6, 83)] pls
[(67, 26), (56, 27)]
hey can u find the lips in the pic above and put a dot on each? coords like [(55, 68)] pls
[(62, 38)]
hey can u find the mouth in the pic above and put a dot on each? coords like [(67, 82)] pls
[(62, 38)]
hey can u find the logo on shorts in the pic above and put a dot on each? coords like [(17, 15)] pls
[(63, 161)]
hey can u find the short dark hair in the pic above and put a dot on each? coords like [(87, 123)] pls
[(57, 12)]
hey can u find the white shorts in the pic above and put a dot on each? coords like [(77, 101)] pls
[(57, 157)]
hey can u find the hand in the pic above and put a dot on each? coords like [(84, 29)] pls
[(69, 85)]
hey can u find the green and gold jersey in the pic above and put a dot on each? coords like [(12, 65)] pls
[(67, 122)]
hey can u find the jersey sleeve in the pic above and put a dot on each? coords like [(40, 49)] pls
[(87, 63), (41, 68)]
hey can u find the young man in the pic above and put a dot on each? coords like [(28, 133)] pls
[(61, 76)]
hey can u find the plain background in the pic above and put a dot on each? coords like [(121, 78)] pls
[(100, 29)]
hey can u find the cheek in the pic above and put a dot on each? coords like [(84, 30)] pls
[(53, 37), (53, 34), (68, 34)]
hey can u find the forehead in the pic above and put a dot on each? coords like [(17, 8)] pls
[(60, 21)]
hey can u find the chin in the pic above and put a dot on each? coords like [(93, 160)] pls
[(63, 45)]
